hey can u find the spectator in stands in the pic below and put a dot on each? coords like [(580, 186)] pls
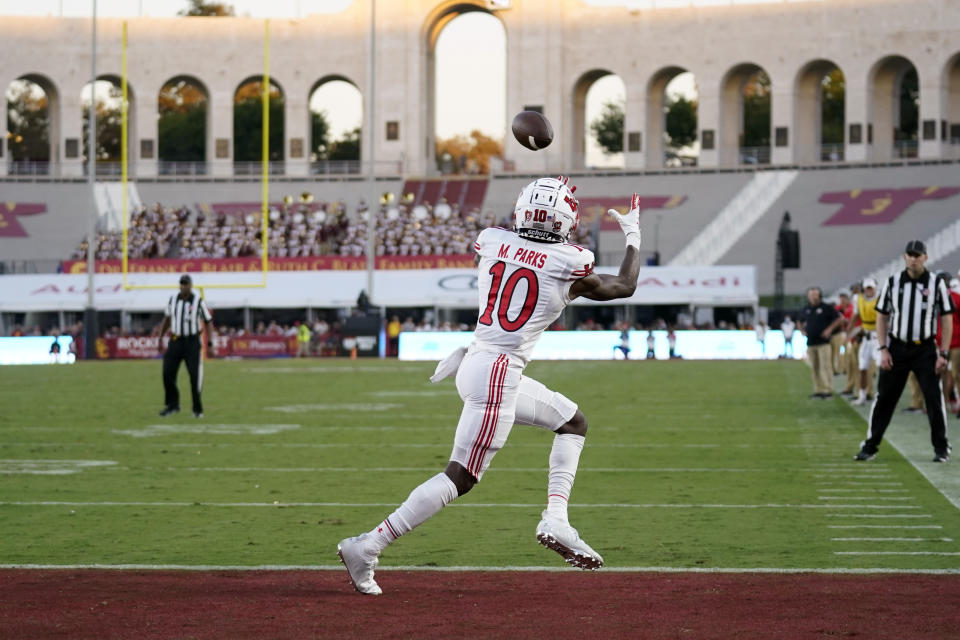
[(273, 329), (651, 344), (818, 321)]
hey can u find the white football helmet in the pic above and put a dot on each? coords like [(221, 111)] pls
[(547, 210)]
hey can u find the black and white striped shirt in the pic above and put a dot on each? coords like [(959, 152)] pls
[(185, 315), (914, 306)]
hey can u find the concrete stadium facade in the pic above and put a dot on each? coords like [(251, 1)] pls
[(555, 50)]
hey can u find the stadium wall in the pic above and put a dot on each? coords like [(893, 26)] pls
[(555, 50)]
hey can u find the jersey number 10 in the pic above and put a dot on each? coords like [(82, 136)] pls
[(501, 299)]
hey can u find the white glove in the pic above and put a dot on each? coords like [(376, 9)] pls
[(630, 223), (449, 365)]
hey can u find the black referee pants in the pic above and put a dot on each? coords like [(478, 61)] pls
[(922, 360), (182, 349)]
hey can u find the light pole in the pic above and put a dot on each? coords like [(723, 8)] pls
[(90, 313)]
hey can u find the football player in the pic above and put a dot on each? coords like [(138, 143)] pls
[(526, 277)]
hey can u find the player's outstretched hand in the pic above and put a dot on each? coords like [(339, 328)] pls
[(630, 223)]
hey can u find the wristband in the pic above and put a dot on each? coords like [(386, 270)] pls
[(633, 240), (944, 354), (882, 347)]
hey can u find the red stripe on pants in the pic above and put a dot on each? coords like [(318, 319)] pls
[(491, 415)]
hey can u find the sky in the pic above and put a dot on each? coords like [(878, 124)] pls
[(458, 72)]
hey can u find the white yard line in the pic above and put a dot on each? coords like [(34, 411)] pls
[(884, 526), (852, 490), (910, 435), (552, 569), (455, 505), (892, 539), (859, 484), (887, 498), (873, 515), (896, 553)]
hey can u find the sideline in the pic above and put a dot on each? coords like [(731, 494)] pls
[(508, 568), (910, 435)]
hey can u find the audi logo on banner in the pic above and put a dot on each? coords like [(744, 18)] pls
[(460, 282)]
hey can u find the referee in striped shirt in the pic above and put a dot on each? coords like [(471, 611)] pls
[(182, 317), (908, 308)]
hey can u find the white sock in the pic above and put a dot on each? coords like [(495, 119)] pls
[(862, 394), (564, 458), (423, 502)]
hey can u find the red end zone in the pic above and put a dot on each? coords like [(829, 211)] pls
[(425, 604)]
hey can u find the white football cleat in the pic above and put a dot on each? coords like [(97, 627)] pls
[(564, 539), (360, 564)]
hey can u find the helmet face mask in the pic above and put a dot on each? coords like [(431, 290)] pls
[(547, 211)]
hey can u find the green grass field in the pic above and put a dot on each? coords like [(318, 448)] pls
[(687, 465)]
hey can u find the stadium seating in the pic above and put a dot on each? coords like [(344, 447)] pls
[(851, 221)]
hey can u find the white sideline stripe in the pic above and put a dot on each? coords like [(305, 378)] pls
[(196, 428), (476, 505), (871, 515), (852, 490), (335, 369), (864, 484), (552, 569), (847, 464), (884, 526), (896, 553), (878, 477), (493, 470), (888, 498), (892, 539)]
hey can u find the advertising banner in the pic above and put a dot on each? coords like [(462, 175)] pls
[(240, 265), (721, 285), (141, 347)]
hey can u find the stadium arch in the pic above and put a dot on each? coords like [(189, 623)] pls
[(885, 134), (174, 165), (111, 167), (53, 111), (951, 110), (808, 113), (436, 20), (315, 165), (578, 105), (246, 155), (656, 125), (731, 130)]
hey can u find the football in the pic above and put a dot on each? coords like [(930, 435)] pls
[(532, 130)]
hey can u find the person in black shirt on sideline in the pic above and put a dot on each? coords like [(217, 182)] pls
[(818, 320), (182, 317), (908, 308)]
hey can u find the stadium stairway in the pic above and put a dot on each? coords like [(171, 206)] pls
[(941, 254), (735, 219), (108, 197)]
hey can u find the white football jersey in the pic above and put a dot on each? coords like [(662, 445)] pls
[(523, 287)]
